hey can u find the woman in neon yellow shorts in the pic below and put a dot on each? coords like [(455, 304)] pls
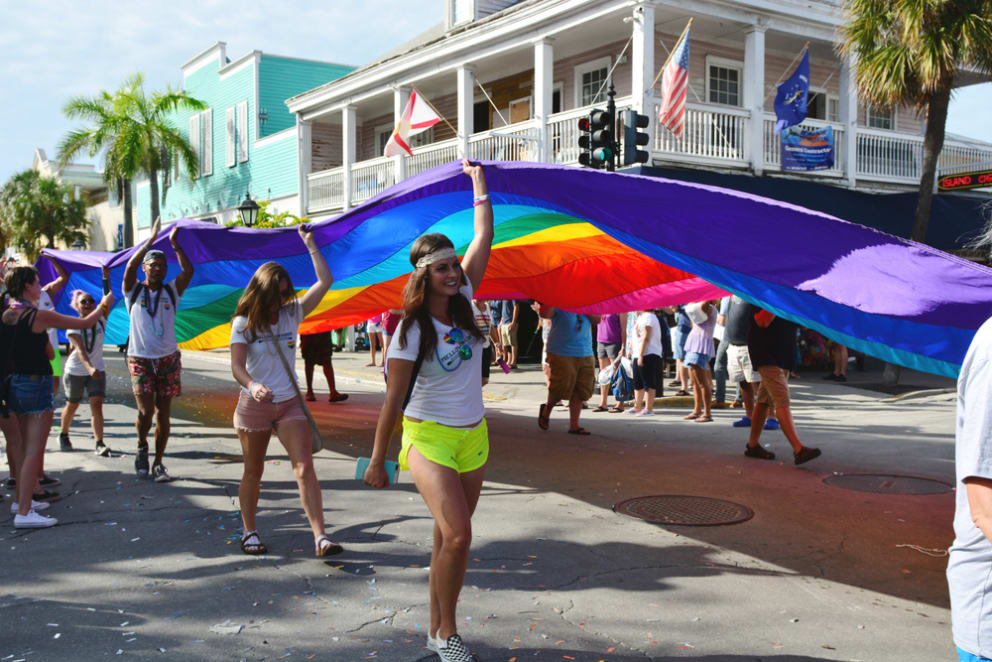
[(445, 442)]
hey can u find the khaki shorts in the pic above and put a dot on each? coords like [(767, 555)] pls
[(572, 377), (774, 389), (739, 365), (507, 335)]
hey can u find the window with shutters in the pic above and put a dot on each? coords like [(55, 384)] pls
[(242, 131), (229, 157)]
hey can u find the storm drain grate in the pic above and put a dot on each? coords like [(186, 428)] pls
[(888, 484), (684, 510)]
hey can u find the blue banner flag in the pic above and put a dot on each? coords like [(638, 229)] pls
[(790, 100), (808, 149)]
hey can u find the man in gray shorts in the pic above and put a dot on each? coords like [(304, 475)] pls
[(611, 335)]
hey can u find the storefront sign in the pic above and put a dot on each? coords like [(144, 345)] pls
[(807, 149), (965, 180)]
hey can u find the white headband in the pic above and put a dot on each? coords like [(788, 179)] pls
[(436, 256)]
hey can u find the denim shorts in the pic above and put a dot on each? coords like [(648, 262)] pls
[(30, 394), (697, 359)]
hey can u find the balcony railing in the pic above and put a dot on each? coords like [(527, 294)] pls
[(709, 133), (714, 136)]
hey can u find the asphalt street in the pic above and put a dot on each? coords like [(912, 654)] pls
[(137, 570)]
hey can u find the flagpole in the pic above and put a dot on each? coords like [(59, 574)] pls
[(671, 52)]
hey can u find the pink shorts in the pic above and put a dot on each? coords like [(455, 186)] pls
[(252, 416)]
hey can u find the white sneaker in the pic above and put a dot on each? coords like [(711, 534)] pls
[(33, 521), (452, 649), (431, 643), (35, 505)]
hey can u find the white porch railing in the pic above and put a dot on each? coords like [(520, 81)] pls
[(370, 178), (429, 156), (325, 190), (710, 132), (889, 157), (772, 144), (516, 142)]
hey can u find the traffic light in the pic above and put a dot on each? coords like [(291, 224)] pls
[(634, 138), (597, 139)]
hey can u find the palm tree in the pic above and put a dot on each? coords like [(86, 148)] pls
[(136, 136), (34, 208), (909, 52)]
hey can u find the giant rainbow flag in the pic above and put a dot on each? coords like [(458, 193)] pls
[(592, 242)]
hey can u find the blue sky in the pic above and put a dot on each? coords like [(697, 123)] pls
[(55, 50)]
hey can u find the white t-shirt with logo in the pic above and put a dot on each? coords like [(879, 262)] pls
[(262, 362), (448, 388), (644, 322), (153, 336), (74, 364)]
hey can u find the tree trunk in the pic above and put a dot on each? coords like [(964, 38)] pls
[(128, 214), (933, 142), (153, 190)]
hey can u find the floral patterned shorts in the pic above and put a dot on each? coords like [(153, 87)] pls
[(159, 376)]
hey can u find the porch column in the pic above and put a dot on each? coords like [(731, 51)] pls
[(400, 96), (544, 64), (754, 95), (642, 65), (466, 101), (848, 107), (304, 150), (348, 135)]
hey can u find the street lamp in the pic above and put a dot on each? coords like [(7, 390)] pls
[(78, 245), (248, 209)]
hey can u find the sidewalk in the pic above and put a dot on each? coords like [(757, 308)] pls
[(147, 571)]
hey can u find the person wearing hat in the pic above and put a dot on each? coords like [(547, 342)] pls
[(153, 355)]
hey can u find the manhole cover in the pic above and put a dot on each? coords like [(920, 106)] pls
[(888, 484), (684, 510)]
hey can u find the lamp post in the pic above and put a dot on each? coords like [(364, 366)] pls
[(248, 210)]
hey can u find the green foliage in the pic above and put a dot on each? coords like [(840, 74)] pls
[(267, 220), (132, 131), (35, 208), (909, 50)]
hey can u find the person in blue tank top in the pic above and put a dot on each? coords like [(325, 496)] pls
[(570, 358)]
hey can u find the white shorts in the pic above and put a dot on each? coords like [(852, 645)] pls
[(739, 365), (373, 327)]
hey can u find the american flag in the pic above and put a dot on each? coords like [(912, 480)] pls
[(674, 86)]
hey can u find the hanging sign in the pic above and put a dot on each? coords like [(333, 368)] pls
[(965, 180), (807, 149)]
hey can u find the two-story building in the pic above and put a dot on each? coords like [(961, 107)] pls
[(513, 78), (246, 138)]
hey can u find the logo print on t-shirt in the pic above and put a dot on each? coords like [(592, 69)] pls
[(461, 350)]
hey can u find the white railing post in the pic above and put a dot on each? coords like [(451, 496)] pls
[(349, 135), (848, 107), (642, 63), (400, 96), (466, 116), (304, 151), (543, 91), (754, 95)]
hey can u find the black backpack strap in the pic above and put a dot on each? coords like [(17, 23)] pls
[(172, 294), (413, 380), (135, 293)]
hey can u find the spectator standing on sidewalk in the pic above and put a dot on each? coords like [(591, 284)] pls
[(30, 382), (739, 368), (683, 325), (772, 348), (317, 349), (373, 328), (698, 352), (84, 371), (645, 352), (720, 362), (571, 367), (611, 336), (483, 320), (508, 331), (970, 564), (153, 358), (839, 357)]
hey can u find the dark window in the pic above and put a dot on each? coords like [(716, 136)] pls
[(480, 116)]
